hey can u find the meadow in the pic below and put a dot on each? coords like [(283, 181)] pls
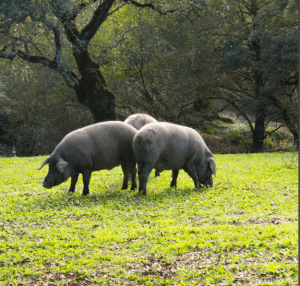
[(243, 231)]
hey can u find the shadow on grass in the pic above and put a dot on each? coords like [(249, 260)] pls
[(111, 197)]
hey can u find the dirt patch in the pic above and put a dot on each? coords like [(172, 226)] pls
[(202, 260), (22, 262), (155, 266), (263, 221), (196, 221), (198, 218), (242, 267), (68, 279)]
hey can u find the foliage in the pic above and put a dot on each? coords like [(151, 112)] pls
[(258, 58), (158, 68), (36, 108), (243, 231), (241, 137), (178, 61)]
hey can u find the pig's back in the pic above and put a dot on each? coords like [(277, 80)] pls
[(100, 146), (139, 120), (168, 143)]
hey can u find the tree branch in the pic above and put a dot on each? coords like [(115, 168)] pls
[(67, 20), (230, 103), (117, 9), (291, 80), (72, 13), (100, 15), (235, 90), (37, 59), (236, 107), (151, 6), (146, 92), (277, 128), (69, 77), (58, 51), (7, 55), (99, 59)]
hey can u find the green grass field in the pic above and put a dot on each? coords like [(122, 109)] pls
[(244, 231)]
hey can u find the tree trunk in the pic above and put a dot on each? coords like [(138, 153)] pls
[(92, 90), (258, 133)]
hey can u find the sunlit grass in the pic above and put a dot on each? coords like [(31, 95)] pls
[(243, 231)]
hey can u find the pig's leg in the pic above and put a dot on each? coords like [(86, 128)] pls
[(86, 176), (126, 171), (133, 181), (143, 176), (125, 177), (133, 178), (73, 183), (174, 178), (140, 169), (157, 174), (191, 170)]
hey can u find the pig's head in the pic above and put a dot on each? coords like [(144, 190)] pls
[(59, 171), (211, 169)]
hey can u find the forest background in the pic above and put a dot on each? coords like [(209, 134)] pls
[(227, 68)]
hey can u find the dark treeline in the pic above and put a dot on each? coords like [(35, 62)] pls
[(68, 63)]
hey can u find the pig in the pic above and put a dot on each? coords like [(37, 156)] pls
[(139, 120), (92, 148), (168, 146)]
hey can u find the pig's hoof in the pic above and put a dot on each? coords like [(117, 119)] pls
[(85, 193), (142, 192)]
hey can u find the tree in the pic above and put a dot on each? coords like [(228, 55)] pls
[(259, 62), (164, 66), (25, 25), (36, 112)]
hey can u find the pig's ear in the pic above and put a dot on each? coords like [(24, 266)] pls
[(44, 163), (61, 165), (212, 165)]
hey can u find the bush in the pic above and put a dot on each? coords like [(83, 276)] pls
[(6, 151), (240, 138)]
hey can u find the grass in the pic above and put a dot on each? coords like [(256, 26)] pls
[(242, 232)]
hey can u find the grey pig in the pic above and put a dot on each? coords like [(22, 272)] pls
[(138, 120), (95, 147), (167, 146)]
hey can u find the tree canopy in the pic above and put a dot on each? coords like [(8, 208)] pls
[(179, 61)]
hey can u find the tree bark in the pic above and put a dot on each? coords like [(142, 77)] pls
[(258, 132), (92, 90)]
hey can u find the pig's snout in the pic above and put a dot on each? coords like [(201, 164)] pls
[(47, 185)]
